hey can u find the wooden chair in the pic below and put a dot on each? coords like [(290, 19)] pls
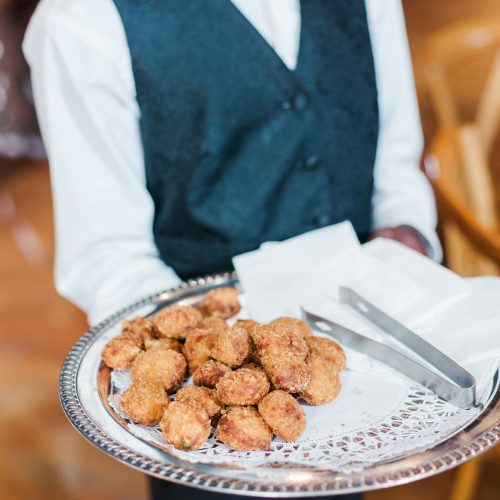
[(472, 246), (457, 165), (457, 161)]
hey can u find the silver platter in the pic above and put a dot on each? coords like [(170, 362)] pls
[(83, 407)]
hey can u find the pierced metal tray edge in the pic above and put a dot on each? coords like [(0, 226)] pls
[(477, 438)]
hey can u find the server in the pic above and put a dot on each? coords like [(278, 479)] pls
[(182, 133)]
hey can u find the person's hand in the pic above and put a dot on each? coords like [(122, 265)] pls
[(406, 235)]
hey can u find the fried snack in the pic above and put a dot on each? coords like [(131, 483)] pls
[(214, 324), (176, 321), (202, 396), (185, 425), (246, 324), (271, 341), (232, 347), (328, 350), (120, 352), (163, 366), (287, 374), (283, 415), (242, 387), (292, 325), (243, 429), (198, 347), (139, 327), (282, 354), (221, 302), (209, 373), (165, 343), (144, 402), (325, 382)]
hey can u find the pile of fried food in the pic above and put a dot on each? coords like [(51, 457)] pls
[(246, 378)]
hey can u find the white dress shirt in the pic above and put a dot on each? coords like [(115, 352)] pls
[(86, 101)]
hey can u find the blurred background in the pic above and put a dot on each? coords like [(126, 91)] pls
[(456, 54)]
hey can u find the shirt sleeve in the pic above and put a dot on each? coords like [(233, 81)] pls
[(85, 99), (402, 194)]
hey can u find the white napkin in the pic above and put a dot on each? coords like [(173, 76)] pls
[(459, 317)]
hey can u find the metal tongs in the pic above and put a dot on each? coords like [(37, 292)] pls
[(459, 386)]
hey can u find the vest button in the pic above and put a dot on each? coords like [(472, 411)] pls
[(300, 102), (309, 163), (322, 220), (286, 105), (312, 162)]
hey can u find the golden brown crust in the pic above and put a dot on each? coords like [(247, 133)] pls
[(327, 349), (213, 323), (198, 347), (163, 366), (271, 341), (144, 402), (283, 414), (221, 302), (120, 352), (287, 374), (325, 382), (246, 324), (165, 343), (292, 325), (139, 327), (185, 425), (242, 387), (202, 396), (232, 347), (282, 353), (209, 373), (176, 321), (243, 429)]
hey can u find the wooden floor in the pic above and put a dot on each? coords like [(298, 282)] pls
[(42, 457)]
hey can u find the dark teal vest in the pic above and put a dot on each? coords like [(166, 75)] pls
[(238, 149)]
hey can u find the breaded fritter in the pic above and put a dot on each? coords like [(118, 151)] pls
[(198, 347), (213, 323), (144, 402), (292, 325), (163, 366), (328, 350), (282, 353), (242, 387), (185, 425), (232, 347), (287, 374), (283, 414), (164, 343), (176, 321), (202, 396), (221, 302), (139, 327), (272, 341), (246, 324), (242, 428), (325, 382), (120, 352), (209, 373)]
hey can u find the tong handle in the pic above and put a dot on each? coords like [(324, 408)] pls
[(458, 396), (417, 344)]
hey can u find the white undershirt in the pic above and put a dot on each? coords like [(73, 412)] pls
[(85, 97)]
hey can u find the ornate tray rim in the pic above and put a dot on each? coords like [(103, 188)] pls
[(475, 439)]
